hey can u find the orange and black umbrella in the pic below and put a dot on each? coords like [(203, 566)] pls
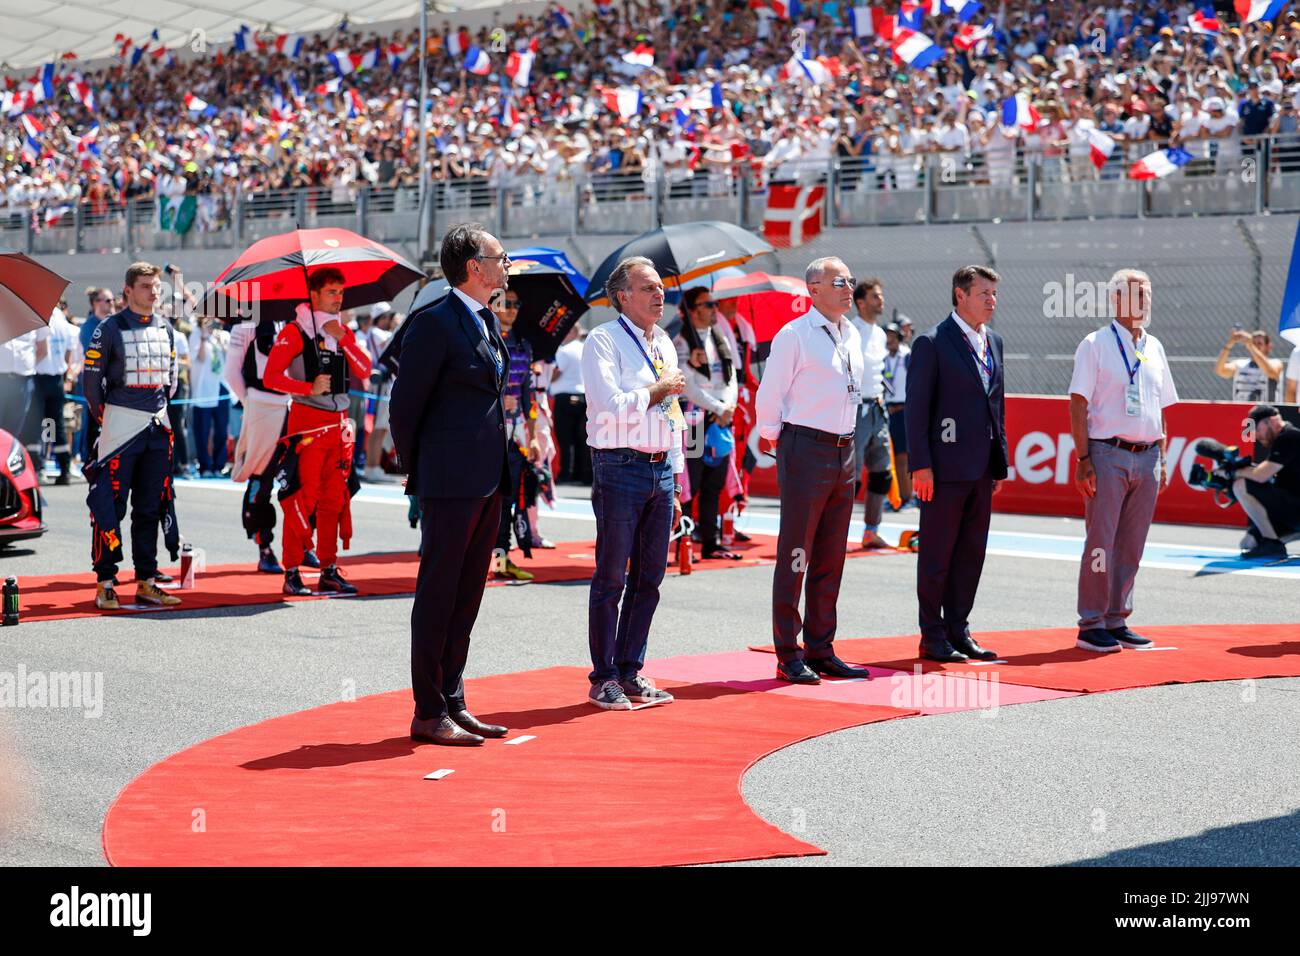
[(683, 252), (273, 273)]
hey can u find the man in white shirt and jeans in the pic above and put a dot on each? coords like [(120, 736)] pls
[(807, 409), (635, 429), (1118, 393)]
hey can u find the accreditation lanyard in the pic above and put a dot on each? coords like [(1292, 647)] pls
[(1133, 390), (855, 395), (986, 362), (671, 410), (888, 373)]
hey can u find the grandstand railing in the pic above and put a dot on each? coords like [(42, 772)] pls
[(1237, 176)]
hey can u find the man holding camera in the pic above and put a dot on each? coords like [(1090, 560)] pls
[(310, 361), (1269, 491), (1119, 391)]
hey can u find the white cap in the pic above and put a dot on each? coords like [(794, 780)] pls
[(1214, 103), (380, 308)]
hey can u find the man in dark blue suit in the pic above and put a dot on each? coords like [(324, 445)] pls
[(449, 430), (957, 442)]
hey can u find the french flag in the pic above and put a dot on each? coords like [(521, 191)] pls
[(785, 9), (911, 17), (46, 84), (55, 213), (282, 46), (1160, 164), (916, 50), (138, 54), (626, 101), (965, 9), (342, 62), (296, 91), (1204, 22), (241, 38), (520, 65), (32, 141), (1017, 111), (477, 62), (507, 115), (196, 105), (87, 142), (872, 22), (366, 61), (356, 105), (643, 54), (80, 91), (970, 36), (814, 71), (458, 42), (1252, 11), (397, 55), (1100, 146), (332, 86)]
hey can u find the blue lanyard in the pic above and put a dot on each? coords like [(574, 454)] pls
[(1137, 365), (644, 354), (985, 363)]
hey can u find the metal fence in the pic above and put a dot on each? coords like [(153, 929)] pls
[(1227, 177)]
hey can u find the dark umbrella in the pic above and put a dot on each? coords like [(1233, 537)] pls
[(683, 252), (28, 294), (548, 304), (273, 273)]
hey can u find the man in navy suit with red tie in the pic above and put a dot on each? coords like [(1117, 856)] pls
[(957, 442), (448, 426)]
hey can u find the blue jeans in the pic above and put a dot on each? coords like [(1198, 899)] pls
[(210, 433), (633, 502)]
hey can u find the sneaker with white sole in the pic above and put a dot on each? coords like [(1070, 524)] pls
[(609, 696), (641, 691), (1096, 639)]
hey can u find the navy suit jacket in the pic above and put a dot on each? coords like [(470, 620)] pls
[(446, 415), (946, 398)]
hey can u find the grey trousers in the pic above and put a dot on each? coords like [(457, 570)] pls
[(1117, 522), (816, 482), (871, 448)]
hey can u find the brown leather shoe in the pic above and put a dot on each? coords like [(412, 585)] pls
[(468, 721), (443, 730)]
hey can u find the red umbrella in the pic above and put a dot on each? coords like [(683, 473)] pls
[(768, 302), (28, 294), (273, 273)]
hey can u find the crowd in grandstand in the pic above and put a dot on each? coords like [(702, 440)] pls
[(691, 94)]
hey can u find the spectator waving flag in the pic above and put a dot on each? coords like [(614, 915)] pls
[(969, 35), (46, 84), (80, 91), (1204, 22), (194, 104), (507, 115), (33, 130), (1018, 112), (1160, 164), (625, 101), (1252, 11), (397, 55), (911, 17), (356, 105), (916, 50), (333, 86), (965, 9), (520, 64), (642, 54), (872, 22), (818, 72), (1100, 146), (477, 62), (86, 143)]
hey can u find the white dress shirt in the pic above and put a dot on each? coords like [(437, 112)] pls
[(979, 341), (874, 348), (806, 379), (18, 355), (713, 394), (896, 378), (617, 379), (63, 339), (1100, 377)]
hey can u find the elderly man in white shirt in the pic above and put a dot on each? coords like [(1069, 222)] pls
[(1118, 393), (807, 409), (635, 428)]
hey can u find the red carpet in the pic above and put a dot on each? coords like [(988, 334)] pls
[(343, 784), (58, 596), (1048, 658)]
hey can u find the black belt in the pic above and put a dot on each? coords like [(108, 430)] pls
[(826, 438), (896, 407), (1135, 447), (652, 456)]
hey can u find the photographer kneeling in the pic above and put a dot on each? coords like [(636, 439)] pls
[(1269, 491)]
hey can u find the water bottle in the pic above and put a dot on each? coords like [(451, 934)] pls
[(187, 567), (10, 602)]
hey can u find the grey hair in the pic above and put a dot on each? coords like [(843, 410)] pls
[(619, 280), (1117, 287), (818, 266)]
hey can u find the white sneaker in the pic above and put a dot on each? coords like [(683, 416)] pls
[(379, 476), (609, 696)]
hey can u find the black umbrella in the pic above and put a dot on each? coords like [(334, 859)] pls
[(28, 294), (682, 252), (549, 305)]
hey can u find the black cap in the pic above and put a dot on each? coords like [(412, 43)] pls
[(1261, 412), (895, 328)]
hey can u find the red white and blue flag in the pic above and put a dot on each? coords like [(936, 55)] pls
[(642, 54), (872, 22), (784, 9), (477, 62), (911, 16), (625, 101), (33, 130), (356, 105), (194, 104), (507, 115), (1161, 163), (1017, 111), (520, 64), (1100, 146), (1252, 11), (80, 91), (397, 55), (87, 142), (965, 9), (969, 36), (817, 72), (915, 49), (1204, 22)]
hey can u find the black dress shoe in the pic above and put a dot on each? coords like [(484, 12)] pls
[(965, 644), (941, 651), (834, 667), (796, 672), (443, 730), (468, 721)]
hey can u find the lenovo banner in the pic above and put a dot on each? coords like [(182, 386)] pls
[(1042, 460)]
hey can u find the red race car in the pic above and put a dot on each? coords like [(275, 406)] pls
[(20, 493)]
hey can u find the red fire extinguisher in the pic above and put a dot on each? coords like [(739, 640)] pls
[(684, 548)]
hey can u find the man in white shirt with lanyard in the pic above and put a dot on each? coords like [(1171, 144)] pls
[(635, 429), (807, 408), (1118, 393), (871, 440)]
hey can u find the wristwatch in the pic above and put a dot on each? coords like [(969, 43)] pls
[(677, 488)]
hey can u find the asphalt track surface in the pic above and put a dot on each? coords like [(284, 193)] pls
[(1192, 774)]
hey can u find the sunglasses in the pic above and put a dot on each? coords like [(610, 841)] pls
[(839, 282), (711, 304), (509, 303)]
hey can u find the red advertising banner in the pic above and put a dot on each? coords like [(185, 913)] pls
[(1042, 460)]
